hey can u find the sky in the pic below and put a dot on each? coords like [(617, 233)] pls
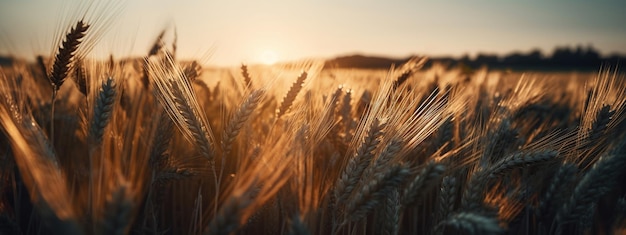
[(234, 32)]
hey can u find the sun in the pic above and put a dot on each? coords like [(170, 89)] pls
[(269, 57)]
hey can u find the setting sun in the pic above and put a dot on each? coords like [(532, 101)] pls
[(268, 57)]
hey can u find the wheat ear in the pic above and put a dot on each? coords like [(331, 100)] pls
[(80, 76), (370, 195), (102, 110), (239, 118), (196, 127), (357, 164), (411, 67), (65, 54), (161, 141), (154, 50), (472, 199), (157, 45), (291, 95), (388, 217), (384, 158), (472, 223), (345, 112), (422, 183), (563, 177), (62, 63), (499, 140), (192, 71), (246, 75), (43, 68), (600, 124), (596, 183), (447, 197), (520, 159), (176, 95)]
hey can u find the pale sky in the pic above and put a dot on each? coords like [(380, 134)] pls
[(237, 31)]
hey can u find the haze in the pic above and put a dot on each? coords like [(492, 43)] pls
[(232, 32)]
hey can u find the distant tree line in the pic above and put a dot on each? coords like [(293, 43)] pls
[(563, 58)]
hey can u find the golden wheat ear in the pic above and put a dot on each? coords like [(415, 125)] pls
[(174, 92), (409, 68), (246, 75), (239, 118), (64, 57), (289, 98)]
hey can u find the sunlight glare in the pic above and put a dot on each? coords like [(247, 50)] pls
[(269, 57)]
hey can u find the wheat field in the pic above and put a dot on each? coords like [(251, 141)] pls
[(162, 146)]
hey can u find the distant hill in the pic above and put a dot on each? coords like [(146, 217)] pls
[(361, 61), (563, 58), (6, 61)]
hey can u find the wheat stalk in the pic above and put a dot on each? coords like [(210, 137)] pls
[(117, 213), (298, 227), (228, 218)]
